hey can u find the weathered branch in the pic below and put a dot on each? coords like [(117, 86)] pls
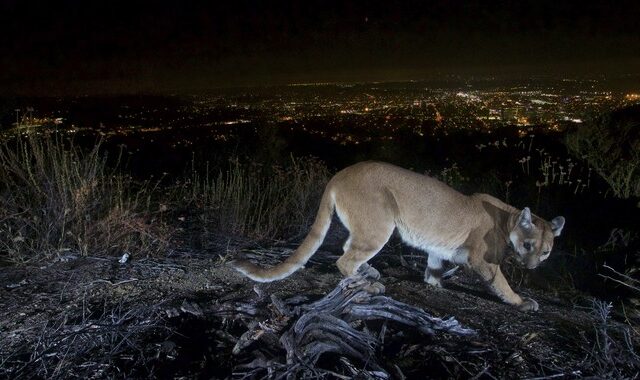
[(328, 326)]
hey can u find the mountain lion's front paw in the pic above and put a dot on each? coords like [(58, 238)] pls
[(528, 304), (433, 280)]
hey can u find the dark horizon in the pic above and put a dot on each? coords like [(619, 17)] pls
[(75, 47)]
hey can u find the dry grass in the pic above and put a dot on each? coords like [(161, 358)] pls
[(611, 355), (56, 200), (85, 344), (256, 201)]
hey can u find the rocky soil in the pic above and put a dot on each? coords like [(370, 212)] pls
[(183, 316)]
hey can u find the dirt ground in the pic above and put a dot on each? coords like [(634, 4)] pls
[(180, 317)]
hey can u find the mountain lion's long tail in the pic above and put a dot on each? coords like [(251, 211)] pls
[(299, 258)]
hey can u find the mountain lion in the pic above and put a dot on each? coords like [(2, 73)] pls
[(372, 199)]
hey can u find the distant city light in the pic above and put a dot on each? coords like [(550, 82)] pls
[(351, 113)]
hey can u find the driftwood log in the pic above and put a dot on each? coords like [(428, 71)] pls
[(333, 324)]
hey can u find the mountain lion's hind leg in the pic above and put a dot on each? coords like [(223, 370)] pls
[(362, 245), (434, 270), (356, 254), (368, 271)]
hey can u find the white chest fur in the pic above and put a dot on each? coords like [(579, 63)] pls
[(453, 254)]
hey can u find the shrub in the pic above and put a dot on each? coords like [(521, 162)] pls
[(56, 200), (611, 145)]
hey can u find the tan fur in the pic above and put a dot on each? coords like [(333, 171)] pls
[(372, 199)]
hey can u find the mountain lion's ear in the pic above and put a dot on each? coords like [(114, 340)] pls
[(525, 219), (556, 225)]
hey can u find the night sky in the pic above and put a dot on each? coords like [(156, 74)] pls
[(61, 47)]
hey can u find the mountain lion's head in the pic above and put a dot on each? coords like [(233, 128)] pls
[(532, 238)]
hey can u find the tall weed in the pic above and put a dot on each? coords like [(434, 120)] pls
[(56, 200), (257, 201)]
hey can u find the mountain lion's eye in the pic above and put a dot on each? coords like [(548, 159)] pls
[(527, 245)]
